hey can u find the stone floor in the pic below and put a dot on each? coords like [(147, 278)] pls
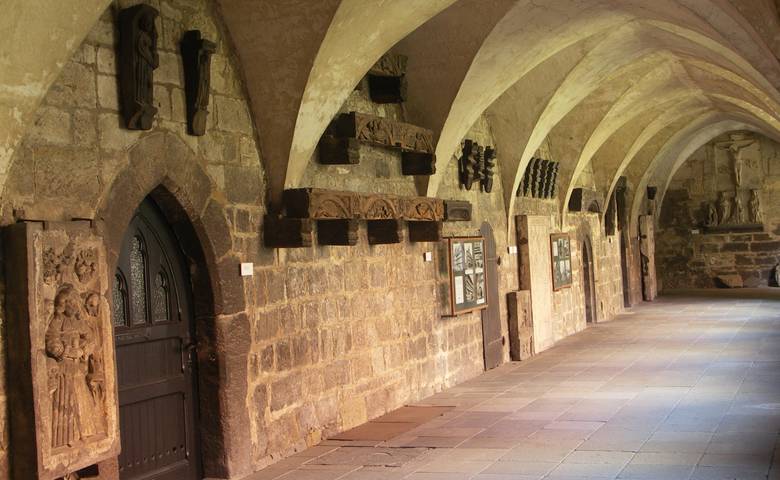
[(685, 388)]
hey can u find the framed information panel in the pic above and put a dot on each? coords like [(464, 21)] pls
[(561, 260), (467, 284)]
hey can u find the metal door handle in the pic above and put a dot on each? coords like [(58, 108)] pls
[(186, 355)]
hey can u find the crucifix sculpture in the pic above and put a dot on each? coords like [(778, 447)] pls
[(737, 143)]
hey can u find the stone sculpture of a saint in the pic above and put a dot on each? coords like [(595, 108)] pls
[(76, 390)]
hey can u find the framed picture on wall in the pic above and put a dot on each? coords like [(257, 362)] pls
[(560, 246), (466, 269)]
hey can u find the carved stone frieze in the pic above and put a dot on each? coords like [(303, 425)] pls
[(373, 130), (321, 204), (383, 132), (60, 350), (138, 59)]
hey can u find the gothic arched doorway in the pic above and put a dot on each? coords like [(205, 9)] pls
[(588, 281), (154, 337)]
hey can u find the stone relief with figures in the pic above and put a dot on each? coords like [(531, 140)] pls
[(67, 325), (738, 203)]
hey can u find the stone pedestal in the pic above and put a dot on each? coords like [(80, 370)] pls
[(63, 399)]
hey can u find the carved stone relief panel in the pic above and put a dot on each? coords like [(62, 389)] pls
[(539, 229), (521, 325), (61, 354), (324, 204)]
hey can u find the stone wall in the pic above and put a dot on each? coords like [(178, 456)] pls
[(79, 162), (319, 339), (687, 255)]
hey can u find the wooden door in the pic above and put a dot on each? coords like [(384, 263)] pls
[(491, 316), (153, 331)]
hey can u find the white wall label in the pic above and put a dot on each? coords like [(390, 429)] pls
[(512, 249), (247, 269), (428, 256)]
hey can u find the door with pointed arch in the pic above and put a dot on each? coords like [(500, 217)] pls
[(154, 337), (588, 281)]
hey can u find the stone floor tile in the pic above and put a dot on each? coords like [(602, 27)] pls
[(679, 442), (616, 439), (654, 458), (726, 473), (656, 472), (759, 463), (521, 468), (587, 470)]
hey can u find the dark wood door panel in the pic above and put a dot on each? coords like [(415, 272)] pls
[(492, 339), (154, 351), (160, 425)]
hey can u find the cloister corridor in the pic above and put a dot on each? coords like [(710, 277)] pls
[(686, 387)]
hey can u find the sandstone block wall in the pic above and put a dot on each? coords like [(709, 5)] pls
[(319, 339), (687, 259)]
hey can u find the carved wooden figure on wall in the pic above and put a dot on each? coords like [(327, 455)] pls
[(468, 165), (196, 53), (489, 164), (138, 59)]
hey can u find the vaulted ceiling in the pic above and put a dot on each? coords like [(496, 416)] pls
[(622, 87)]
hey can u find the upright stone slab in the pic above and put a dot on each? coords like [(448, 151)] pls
[(521, 325), (63, 400), (647, 252)]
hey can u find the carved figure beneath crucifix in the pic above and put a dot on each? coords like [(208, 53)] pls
[(756, 216), (739, 211), (724, 203), (712, 215)]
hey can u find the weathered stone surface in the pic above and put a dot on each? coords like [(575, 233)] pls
[(690, 260), (65, 399), (729, 281), (75, 87)]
